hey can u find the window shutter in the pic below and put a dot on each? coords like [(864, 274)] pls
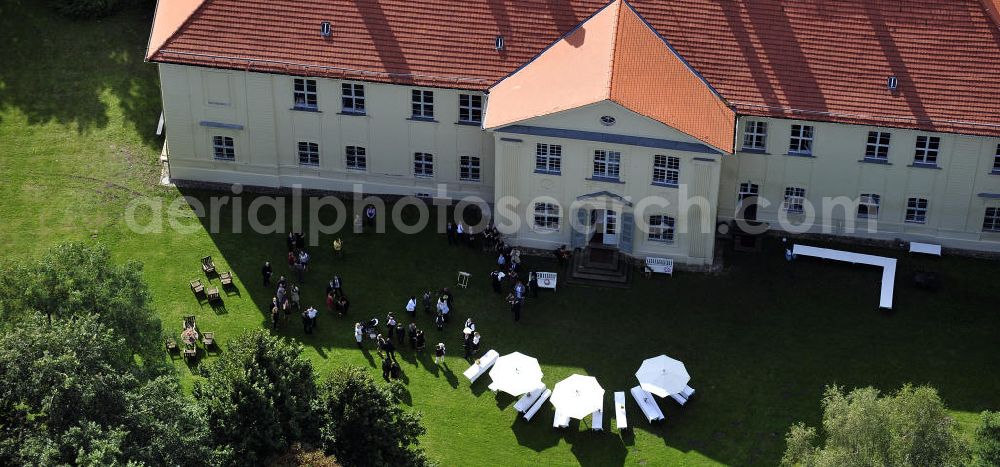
[(579, 235), (628, 229)]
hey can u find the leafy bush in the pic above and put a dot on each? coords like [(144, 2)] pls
[(986, 444)]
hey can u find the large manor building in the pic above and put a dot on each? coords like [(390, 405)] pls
[(584, 108)]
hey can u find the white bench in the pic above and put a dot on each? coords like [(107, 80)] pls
[(647, 403), (477, 369), (528, 400), (888, 266), (679, 398), (925, 248), (597, 420), (660, 265), (538, 404), (620, 418), (547, 280), (687, 392), (559, 420)]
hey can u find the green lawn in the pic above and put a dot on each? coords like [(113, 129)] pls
[(77, 112)]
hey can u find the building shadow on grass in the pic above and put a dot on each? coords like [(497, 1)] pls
[(760, 346)]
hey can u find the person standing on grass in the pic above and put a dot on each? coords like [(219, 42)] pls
[(390, 349), (533, 283), (344, 304), (515, 306), (280, 294), (275, 313), (501, 261), (380, 345), (411, 306), (358, 334), (331, 303), (439, 353), (305, 321), (312, 312), (421, 341), (390, 324), (439, 321), (460, 233), (400, 332), (296, 303), (496, 278), (470, 325), (370, 214), (467, 343), (449, 231), (338, 284), (412, 332), (386, 369), (475, 343), (427, 301), (442, 307), (282, 282), (266, 271), (291, 259), (300, 270)]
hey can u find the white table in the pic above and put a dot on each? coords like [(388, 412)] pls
[(477, 369), (888, 266), (647, 403), (620, 410)]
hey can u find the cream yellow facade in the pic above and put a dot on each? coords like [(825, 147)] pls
[(257, 111), (958, 187)]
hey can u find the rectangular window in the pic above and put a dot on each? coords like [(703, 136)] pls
[(423, 165), (666, 170), (794, 198), (868, 204), (547, 216), (305, 94), (996, 160), (470, 108), (927, 150), (223, 148), (801, 141), (308, 153), (423, 104), (916, 210), (661, 228), (353, 97), (877, 147), (548, 158), (991, 221), (755, 135), (356, 158), (469, 169), (607, 164)]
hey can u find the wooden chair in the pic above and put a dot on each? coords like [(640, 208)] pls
[(208, 339), (170, 344), (227, 279), (463, 279), (189, 322), (197, 287), (213, 294), (190, 352), (208, 265)]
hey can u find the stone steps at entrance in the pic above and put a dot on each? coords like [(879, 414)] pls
[(600, 266)]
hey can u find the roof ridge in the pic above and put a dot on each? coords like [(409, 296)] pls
[(614, 46)]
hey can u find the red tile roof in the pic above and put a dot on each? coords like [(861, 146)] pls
[(806, 59)]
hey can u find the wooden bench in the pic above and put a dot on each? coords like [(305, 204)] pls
[(547, 280), (226, 278), (478, 369), (659, 266)]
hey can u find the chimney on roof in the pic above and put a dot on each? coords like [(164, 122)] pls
[(324, 29)]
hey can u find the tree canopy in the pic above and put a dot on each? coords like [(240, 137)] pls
[(863, 428), (258, 396), (365, 425)]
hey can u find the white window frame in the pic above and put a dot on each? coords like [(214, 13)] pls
[(926, 150), (305, 94), (916, 210), (547, 216), (666, 170), (996, 161), (801, 140), (548, 158), (661, 228), (223, 148), (423, 165), (794, 200), (877, 146), (871, 202), (470, 169), (991, 219), (470, 108), (308, 153), (352, 98), (755, 135), (356, 158), (607, 164), (422, 104)]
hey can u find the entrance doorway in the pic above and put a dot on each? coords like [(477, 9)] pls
[(746, 201), (604, 224)]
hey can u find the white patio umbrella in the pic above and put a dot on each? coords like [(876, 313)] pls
[(516, 374), (578, 396), (662, 376)]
